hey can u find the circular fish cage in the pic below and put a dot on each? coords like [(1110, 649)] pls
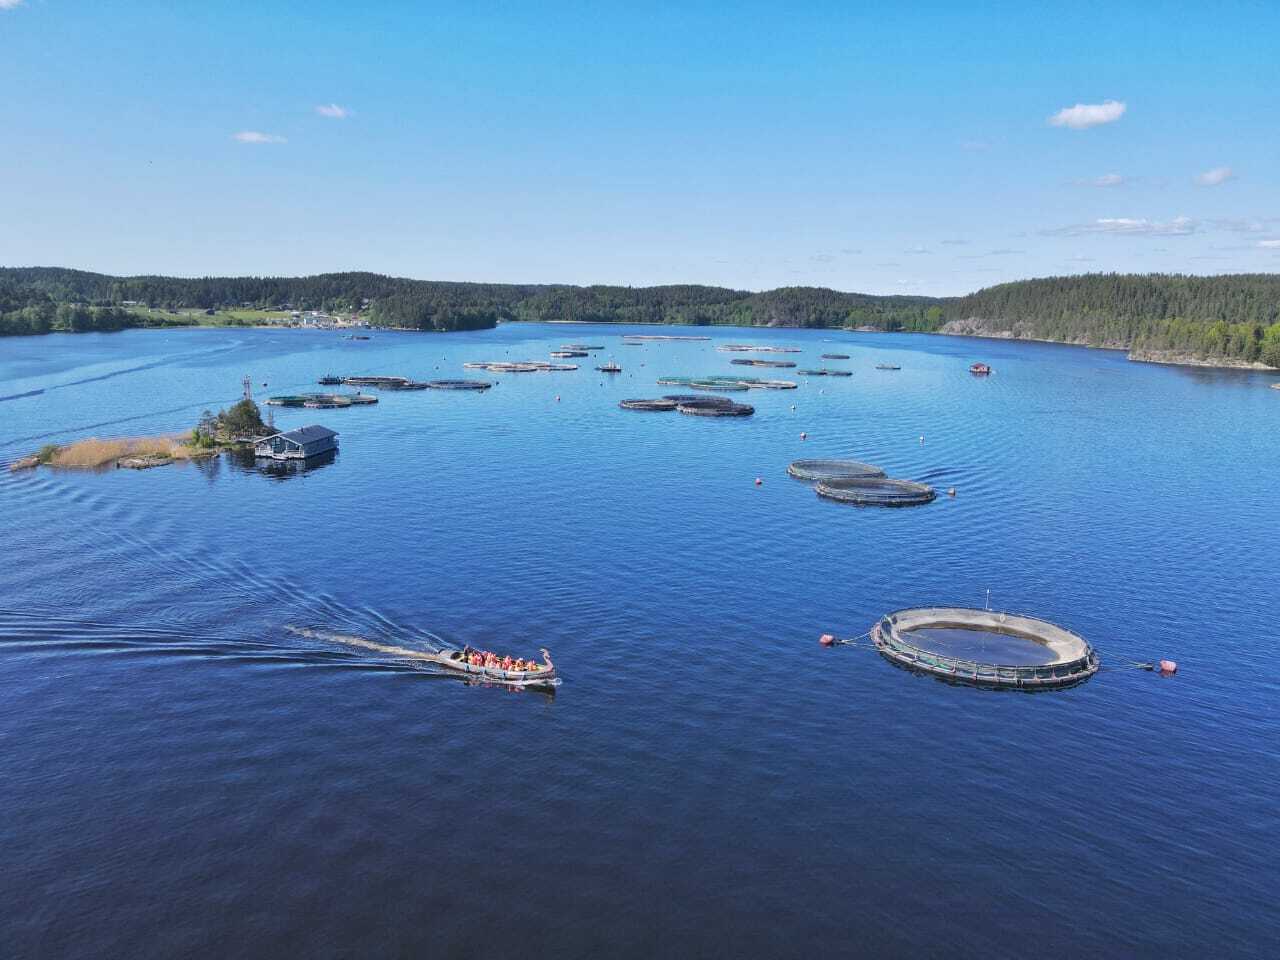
[(985, 648), (695, 398), (458, 384), (715, 408), (662, 404), (833, 470), (875, 491)]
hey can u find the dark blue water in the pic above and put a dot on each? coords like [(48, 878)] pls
[(193, 762)]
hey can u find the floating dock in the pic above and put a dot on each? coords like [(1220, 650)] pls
[(985, 648)]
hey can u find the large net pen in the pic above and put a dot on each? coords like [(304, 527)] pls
[(875, 491), (834, 470)]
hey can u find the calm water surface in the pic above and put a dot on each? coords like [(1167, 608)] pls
[(193, 762)]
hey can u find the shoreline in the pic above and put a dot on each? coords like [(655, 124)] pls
[(1165, 358)]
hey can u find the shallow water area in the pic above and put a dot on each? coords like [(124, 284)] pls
[(217, 738)]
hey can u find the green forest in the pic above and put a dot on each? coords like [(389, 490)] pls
[(1229, 318)]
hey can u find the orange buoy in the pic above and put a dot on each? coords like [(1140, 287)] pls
[(1168, 666), (827, 640)]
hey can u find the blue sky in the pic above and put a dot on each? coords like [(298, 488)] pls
[(750, 145)]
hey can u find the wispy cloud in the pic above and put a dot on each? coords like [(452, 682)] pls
[(254, 136), (822, 257), (1215, 177), (1106, 180), (1269, 244), (333, 111), (9, 4), (1242, 224), (1128, 227), (953, 243), (975, 146), (1001, 252), (850, 251), (1085, 115), (917, 250), (1080, 260)]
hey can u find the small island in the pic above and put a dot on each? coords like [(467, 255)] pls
[(239, 426)]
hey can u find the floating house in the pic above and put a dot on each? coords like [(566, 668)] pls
[(297, 444)]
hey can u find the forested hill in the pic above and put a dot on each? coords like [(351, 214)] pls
[(1234, 318), (1230, 319)]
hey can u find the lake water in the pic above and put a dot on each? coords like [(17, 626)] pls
[(193, 762)]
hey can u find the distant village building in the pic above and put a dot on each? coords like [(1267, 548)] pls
[(297, 444)]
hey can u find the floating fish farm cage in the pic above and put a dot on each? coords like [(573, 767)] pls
[(518, 366), (833, 469), (715, 407), (835, 356), (750, 348), (321, 400), (875, 491), (985, 648), (824, 372), (652, 405), (694, 406), (752, 362), (718, 382), (458, 384)]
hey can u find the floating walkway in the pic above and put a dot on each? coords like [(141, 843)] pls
[(985, 648)]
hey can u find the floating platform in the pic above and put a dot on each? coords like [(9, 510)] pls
[(835, 356), (875, 491), (824, 372), (749, 348), (985, 648)]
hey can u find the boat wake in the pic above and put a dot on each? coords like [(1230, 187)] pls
[(429, 647)]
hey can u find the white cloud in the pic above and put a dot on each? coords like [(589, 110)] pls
[(9, 4), (918, 250), (953, 243), (253, 136), (333, 111), (1085, 115), (1128, 226), (1269, 244), (1215, 177)]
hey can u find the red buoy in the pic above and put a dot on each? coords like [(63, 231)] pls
[(758, 481), (1168, 666), (827, 640)]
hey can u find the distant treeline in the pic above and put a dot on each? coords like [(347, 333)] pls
[(1232, 318)]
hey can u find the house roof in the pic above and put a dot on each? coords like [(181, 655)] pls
[(305, 434)]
